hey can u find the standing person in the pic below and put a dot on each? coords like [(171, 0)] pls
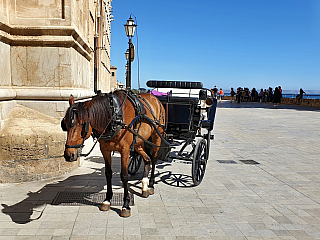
[(300, 96), (232, 93), (276, 97), (265, 95), (270, 95), (254, 95), (220, 94), (280, 89), (215, 91), (238, 96), (261, 95)]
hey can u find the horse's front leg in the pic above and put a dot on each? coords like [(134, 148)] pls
[(125, 178), (107, 159)]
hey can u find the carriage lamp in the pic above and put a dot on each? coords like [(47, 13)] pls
[(130, 28)]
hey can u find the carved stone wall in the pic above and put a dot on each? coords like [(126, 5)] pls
[(50, 49), (53, 44)]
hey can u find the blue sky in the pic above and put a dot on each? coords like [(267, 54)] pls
[(228, 43)]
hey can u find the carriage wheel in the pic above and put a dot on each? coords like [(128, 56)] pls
[(134, 162), (199, 162)]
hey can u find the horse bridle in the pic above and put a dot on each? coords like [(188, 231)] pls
[(72, 113), (117, 118), (86, 129)]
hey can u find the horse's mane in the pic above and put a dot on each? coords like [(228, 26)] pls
[(97, 111)]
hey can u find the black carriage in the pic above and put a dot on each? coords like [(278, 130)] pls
[(189, 122)]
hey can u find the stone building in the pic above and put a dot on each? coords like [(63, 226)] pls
[(113, 78), (49, 49)]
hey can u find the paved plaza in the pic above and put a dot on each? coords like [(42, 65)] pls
[(279, 198)]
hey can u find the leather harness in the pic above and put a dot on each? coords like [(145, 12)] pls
[(116, 122)]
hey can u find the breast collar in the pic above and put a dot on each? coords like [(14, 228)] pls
[(116, 120)]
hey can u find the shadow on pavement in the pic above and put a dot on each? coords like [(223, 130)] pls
[(32, 207)]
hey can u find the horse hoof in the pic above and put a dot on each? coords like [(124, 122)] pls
[(145, 194), (125, 213), (105, 207), (151, 191)]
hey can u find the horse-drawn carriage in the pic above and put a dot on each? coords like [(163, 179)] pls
[(190, 111), (143, 127)]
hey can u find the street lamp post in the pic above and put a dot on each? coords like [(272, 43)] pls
[(130, 28), (127, 57)]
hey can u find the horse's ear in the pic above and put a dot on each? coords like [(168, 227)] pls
[(71, 100)]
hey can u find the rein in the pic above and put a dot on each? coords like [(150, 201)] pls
[(143, 117)]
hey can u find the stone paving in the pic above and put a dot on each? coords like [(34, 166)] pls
[(279, 198)]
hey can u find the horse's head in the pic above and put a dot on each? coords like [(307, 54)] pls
[(76, 124)]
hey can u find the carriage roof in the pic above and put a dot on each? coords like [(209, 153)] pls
[(178, 88)]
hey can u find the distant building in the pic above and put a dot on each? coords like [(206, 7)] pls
[(120, 85), (113, 78)]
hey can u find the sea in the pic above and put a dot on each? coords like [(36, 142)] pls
[(310, 94)]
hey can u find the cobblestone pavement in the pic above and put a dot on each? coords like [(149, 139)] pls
[(278, 198)]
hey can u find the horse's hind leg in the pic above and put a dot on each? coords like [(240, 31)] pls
[(145, 179), (156, 140), (107, 158)]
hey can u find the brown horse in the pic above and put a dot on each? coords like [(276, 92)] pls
[(98, 116)]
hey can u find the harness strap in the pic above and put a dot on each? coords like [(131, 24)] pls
[(143, 117), (157, 121), (74, 146), (136, 103), (97, 139)]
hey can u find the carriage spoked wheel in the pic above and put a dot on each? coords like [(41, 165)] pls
[(200, 158), (134, 162)]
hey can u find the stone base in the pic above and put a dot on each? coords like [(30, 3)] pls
[(31, 147)]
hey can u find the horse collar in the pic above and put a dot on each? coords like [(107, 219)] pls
[(116, 120)]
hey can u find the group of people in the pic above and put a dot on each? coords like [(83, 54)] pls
[(264, 95), (244, 94), (217, 92)]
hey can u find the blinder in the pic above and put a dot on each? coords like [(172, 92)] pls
[(63, 125), (86, 127), (73, 116), (73, 119)]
